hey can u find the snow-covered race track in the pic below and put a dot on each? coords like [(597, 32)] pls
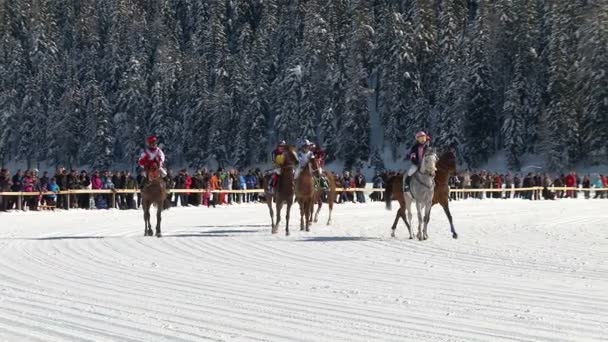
[(524, 271)]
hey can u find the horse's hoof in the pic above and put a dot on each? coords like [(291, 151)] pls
[(455, 236), (411, 237), (159, 235), (393, 234), (307, 229), (286, 233)]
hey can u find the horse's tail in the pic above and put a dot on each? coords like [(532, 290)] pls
[(388, 192)]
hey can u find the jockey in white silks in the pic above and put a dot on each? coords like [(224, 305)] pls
[(304, 155)]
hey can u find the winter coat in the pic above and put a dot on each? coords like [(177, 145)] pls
[(17, 184), (597, 182), (28, 184), (227, 183), (85, 181), (378, 181), (251, 181), (570, 181), (53, 187), (243, 182), (96, 182), (5, 183), (215, 183), (180, 181), (130, 183), (107, 183)]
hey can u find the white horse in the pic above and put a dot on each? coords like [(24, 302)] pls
[(422, 188)]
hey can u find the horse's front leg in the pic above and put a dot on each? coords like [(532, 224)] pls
[(403, 215), (289, 204), (269, 204), (302, 213), (147, 224), (159, 209), (275, 229), (446, 209), (309, 208), (427, 218), (320, 204), (419, 211)]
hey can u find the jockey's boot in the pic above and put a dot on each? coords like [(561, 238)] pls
[(271, 182), (324, 183), (406, 184)]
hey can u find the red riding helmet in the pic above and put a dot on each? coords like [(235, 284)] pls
[(152, 139)]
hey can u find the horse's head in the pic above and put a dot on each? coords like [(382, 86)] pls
[(291, 156), (447, 162), (313, 163), (429, 162)]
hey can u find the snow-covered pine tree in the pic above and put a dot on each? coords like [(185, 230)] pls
[(286, 120), (327, 132), (12, 70), (100, 148), (446, 126), (562, 142), (131, 111), (515, 108), (354, 132), (593, 83), (480, 123)]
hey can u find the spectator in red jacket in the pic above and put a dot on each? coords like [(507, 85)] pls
[(571, 183)]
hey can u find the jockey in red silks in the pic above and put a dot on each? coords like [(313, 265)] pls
[(416, 155), (320, 156), (153, 156)]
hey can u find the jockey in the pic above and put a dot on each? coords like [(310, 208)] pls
[(320, 155), (278, 158), (416, 155), (151, 155), (304, 155)]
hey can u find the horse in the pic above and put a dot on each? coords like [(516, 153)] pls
[(154, 192), (284, 190), (446, 166), (305, 192), (331, 196)]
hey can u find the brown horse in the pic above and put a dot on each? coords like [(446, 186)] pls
[(305, 192), (446, 166), (284, 190), (331, 196), (154, 192)]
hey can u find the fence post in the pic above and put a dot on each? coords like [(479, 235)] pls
[(113, 201), (20, 202), (67, 200)]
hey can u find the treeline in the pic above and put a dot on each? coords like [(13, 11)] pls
[(220, 81)]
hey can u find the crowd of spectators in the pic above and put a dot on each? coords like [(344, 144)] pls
[(63, 179)]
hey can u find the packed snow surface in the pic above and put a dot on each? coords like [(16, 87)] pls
[(523, 271)]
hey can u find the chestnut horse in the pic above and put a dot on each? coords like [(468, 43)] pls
[(331, 196), (284, 190), (306, 193), (446, 166), (154, 192)]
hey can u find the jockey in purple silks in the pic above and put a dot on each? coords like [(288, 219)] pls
[(416, 155)]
